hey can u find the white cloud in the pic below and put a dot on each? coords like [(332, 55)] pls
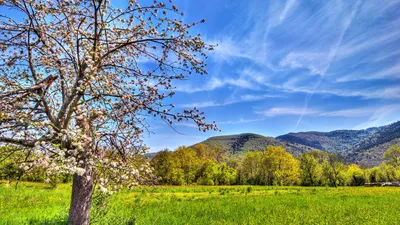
[(215, 83), (314, 61), (387, 55), (290, 4), (192, 125), (391, 72), (377, 115), (227, 49), (231, 101), (240, 121), (257, 97), (384, 73), (367, 41), (369, 92), (273, 112), (212, 84), (254, 75), (386, 93), (248, 79), (201, 104), (383, 115), (357, 112)]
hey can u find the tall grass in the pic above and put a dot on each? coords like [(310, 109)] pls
[(39, 204)]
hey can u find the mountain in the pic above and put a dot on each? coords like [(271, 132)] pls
[(150, 155), (242, 143), (371, 156), (369, 151), (364, 147), (334, 141)]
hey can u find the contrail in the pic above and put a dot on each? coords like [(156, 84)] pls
[(331, 57)]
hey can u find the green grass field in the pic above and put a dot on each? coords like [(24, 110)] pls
[(34, 203)]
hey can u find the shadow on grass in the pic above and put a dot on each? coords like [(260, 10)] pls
[(53, 221), (64, 221)]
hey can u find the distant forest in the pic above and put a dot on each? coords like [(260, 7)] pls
[(203, 164)]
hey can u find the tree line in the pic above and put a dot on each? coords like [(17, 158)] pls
[(205, 165)]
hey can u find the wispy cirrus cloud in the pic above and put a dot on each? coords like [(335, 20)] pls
[(294, 85), (375, 114), (227, 49), (251, 97), (392, 72), (204, 104), (240, 121), (231, 101), (337, 40), (215, 83), (364, 42), (356, 112), (309, 60), (286, 111), (386, 93), (289, 5), (381, 115)]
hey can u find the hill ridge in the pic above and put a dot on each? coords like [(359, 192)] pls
[(363, 146)]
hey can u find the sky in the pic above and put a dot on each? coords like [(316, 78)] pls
[(290, 66)]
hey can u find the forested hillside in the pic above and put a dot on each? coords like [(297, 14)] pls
[(334, 141), (369, 150), (371, 156), (237, 145), (364, 147)]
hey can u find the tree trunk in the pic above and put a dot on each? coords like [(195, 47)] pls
[(82, 188)]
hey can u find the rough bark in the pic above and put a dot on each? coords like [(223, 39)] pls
[(82, 188)]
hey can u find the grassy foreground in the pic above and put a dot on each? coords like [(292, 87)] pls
[(34, 203)]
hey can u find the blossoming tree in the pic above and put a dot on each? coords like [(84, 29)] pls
[(79, 78)]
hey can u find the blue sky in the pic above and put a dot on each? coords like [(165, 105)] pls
[(289, 66)]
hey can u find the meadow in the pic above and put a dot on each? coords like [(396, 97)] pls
[(35, 203)]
